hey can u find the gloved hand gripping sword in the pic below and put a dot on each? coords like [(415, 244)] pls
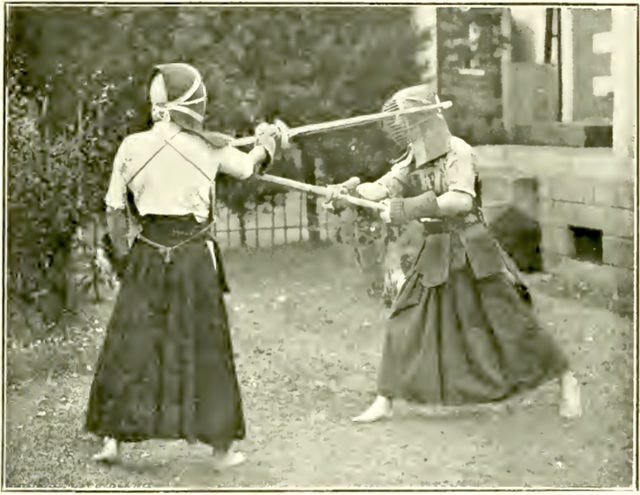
[(332, 193)]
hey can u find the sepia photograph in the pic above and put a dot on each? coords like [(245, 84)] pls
[(320, 247)]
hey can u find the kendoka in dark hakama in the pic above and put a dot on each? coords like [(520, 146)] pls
[(166, 370), (462, 328)]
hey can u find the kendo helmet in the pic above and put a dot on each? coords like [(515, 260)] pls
[(177, 93), (427, 133)]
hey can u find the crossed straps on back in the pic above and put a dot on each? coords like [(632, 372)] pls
[(167, 142), (166, 250)]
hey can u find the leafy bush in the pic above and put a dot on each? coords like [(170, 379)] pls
[(55, 185)]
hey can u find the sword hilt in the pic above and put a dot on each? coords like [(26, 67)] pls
[(283, 129), (284, 135)]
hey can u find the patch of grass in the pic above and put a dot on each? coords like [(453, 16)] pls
[(588, 294), (71, 348)]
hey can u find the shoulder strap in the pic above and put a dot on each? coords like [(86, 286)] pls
[(167, 143), (211, 180), (148, 161), (212, 207)]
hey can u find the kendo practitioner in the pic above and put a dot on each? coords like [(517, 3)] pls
[(462, 328), (166, 369)]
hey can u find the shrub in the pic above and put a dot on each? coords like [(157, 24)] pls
[(56, 184)]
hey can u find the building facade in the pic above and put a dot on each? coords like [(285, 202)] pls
[(549, 98)]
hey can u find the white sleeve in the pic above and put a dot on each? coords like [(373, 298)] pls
[(460, 171), (236, 163), (117, 193)]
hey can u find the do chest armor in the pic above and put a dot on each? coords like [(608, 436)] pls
[(425, 178), (432, 177)]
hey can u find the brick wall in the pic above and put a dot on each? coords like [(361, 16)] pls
[(577, 187)]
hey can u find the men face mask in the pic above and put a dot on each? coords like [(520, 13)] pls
[(427, 133)]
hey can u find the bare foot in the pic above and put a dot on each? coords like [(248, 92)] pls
[(109, 452), (380, 409), (570, 403), (225, 460)]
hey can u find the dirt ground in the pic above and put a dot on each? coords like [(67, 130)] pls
[(308, 340)]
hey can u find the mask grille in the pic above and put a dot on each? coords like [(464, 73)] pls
[(400, 128), (395, 127)]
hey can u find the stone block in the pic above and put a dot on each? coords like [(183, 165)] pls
[(544, 188), (574, 214), (557, 212), (572, 189), (557, 239), (614, 193), (538, 160), (490, 154), (597, 164), (546, 213), (496, 188), (589, 216), (527, 185), (618, 252), (618, 222)]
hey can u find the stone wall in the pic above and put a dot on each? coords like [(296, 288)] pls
[(577, 187)]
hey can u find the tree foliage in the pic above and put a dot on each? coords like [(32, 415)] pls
[(84, 71)]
